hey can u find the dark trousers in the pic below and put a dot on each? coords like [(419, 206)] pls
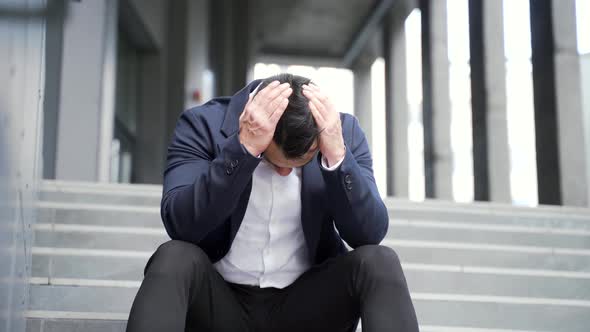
[(182, 291)]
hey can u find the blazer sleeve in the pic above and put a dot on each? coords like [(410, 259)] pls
[(359, 214), (202, 191)]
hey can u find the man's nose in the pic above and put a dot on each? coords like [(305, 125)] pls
[(284, 171)]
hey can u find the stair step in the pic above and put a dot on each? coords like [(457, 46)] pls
[(505, 211), (497, 283), (95, 267), (565, 221), (149, 216), (149, 200), (75, 325), (95, 214), (93, 325), (433, 279), (94, 193), (488, 233), (491, 256), (148, 238), (501, 313), (97, 263), (79, 238), (82, 298), (433, 309), (86, 187)]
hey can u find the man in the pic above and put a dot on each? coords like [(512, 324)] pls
[(260, 190)]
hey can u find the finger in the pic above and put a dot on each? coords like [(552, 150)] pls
[(270, 94), (278, 100), (319, 94), (319, 119), (313, 98), (313, 86), (246, 107), (276, 115), (250, 98), (262, 92)]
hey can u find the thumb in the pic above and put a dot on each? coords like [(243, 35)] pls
[(246, 107)]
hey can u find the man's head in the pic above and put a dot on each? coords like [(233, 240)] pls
[(295, 139)]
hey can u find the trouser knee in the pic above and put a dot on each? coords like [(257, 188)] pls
[(378, 263), (177, 259)]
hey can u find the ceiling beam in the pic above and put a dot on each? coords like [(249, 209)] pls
[(282, 57), (362, 36)]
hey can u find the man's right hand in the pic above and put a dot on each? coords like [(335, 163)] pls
[(261, 115)]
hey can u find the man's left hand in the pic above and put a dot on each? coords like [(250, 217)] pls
[(331, 142)]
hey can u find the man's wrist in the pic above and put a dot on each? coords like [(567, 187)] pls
[(333, 159), (248, 148)]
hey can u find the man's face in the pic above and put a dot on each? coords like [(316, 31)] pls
[(274, 156)]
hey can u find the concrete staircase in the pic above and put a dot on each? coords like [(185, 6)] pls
[(476, 267)]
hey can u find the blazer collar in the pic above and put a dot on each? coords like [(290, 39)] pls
[(236, 105)]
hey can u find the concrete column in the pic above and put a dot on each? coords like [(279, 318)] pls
[(152, 118), (570, 115), (197, 61), (396, 104), (436, 116), (560, 141), (362, 99), (585, 70), (53, 57), (231, 50), (177, 44), (491, 153), (547, 146), (150, 148), (87, 95)]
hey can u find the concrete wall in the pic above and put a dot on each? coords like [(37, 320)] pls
[(585, 76), (21, 98)]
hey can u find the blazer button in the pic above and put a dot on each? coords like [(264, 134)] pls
[(229, 171), (347, 178), (349, 186), (234, 163)]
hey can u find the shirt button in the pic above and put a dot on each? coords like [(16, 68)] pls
[(348, 178)]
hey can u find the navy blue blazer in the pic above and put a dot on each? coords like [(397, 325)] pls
[(208, 179)]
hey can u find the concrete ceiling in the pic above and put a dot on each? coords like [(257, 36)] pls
[(321, 29)]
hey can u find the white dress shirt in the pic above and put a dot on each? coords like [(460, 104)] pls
[(269, 249)]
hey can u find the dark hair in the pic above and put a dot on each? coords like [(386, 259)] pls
[(296, 130)]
